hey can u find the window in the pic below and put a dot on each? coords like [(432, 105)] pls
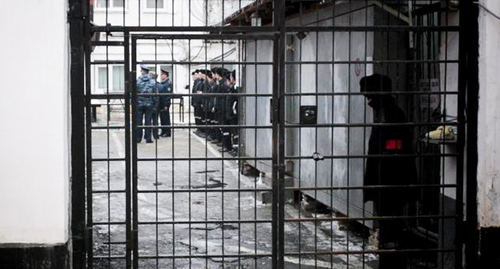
[(114, 79), (155, 4), (118, 78), (102, 77), (110, 3)]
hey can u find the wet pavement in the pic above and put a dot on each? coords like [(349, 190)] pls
[(240, 223)]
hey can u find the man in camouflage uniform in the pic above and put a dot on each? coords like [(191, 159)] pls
[(145, 104)]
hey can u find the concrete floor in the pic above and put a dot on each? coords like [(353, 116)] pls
[(201, 239)]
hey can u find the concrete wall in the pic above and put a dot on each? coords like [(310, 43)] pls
[(325, 78), (489, 113), (259, 80), (340, 78), (34, 115)]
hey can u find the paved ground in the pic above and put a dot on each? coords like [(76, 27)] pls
[(216, 238)]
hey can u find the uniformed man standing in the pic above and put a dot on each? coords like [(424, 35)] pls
[(230, 114), (196, 100), (220, 101), (165, 86), (386, 170), (210, 104), (145, 104)]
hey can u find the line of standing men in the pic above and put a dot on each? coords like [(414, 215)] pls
[(149, 108), (216, 105)]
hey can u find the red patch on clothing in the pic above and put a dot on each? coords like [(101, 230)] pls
[(394, 144)]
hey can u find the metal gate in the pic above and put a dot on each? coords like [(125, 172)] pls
[(322, 165)]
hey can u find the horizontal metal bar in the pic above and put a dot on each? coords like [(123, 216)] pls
[(202, 222), (374, 62), (374, 187), (108, 159), (218, 63), (215, 29), (108, 191), (273, 29), (108, 43), (360, 93), (206, 126), (353, 252), (104, 62), (206, 159), (107, 127), (207, 94), (111, 96), (365, 156), (376, 28), (115, 243), (402, 124), (202, 190), (204, 37), (203, 256), (373, 156), (100, 223), (109, 257), (371, 218)]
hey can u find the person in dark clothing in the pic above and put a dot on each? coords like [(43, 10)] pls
[(219, 103), (230, 102), (197, 101), (156, 112), (383, 170), (165, 86), (210, 104), (205, 103), (145, 104)]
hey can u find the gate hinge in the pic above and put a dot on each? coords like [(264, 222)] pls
[(87, 234)]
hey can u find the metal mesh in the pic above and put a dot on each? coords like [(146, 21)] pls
[(340, 134)]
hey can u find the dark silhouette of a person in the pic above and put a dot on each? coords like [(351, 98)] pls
[(387, 167)]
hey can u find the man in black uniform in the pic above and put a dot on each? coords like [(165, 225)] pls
[(213, 87), (165, 86), (230, 114), (196, 101), (381, 170), (205, 117), (220, 102)]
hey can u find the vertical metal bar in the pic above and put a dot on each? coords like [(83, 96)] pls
[(316, 70), (189, 152), (462, 88), (88, 117), (348, 172), (471, 14), (155, 130), (135, 208), (364, 128), (173, 162), (108, 114), (255, 144), (128, 88), (281, 136), (333, 122), (78, 126), (275, 162)]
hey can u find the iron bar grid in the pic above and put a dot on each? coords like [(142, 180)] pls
[(313, 70)]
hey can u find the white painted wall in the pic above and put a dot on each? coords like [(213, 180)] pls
[(489, 114), (34, 117)]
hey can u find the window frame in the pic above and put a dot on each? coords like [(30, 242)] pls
[(153, 9), (111, 6), (110, 79)]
